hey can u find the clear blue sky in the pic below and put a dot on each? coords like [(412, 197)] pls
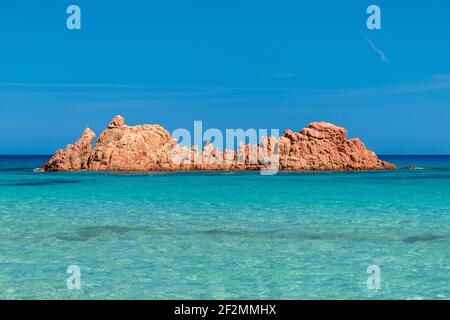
[(231, 64)]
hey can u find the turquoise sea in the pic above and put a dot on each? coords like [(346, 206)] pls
[(225, 235)]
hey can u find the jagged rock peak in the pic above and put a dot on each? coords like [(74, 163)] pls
[(117, 121)]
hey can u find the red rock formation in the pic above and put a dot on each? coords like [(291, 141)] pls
[(323, 146), (124, 148), (75, 157), (320, 146)]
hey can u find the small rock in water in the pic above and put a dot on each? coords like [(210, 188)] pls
[(414, 168)]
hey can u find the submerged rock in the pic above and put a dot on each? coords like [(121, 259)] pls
[(319, 146)]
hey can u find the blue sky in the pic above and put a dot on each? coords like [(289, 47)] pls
[(231, 64)]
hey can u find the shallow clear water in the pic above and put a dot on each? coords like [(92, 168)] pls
[(225, 236)]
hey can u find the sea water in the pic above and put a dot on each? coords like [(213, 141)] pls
[(225, 235)]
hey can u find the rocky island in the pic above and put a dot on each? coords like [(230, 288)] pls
[(319, 146)]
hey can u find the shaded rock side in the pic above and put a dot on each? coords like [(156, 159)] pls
[(319, 146)]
